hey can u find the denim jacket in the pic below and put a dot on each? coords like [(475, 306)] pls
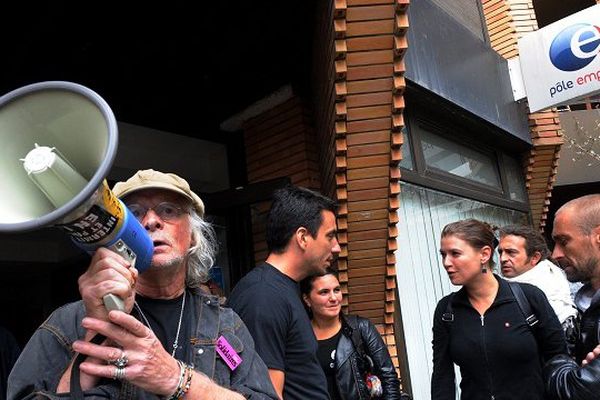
[(48, 354)]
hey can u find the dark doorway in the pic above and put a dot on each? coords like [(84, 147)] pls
[(181, 68), (549, 11)]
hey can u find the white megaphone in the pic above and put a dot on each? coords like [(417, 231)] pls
[(59, 140)]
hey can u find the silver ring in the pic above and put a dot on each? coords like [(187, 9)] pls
[(119, 373), (122, 361)]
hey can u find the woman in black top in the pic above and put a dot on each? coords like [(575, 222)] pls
[(484, 330), (339, 336)]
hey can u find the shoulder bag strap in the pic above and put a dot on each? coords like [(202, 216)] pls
[(448, 315), (524, 304), (76, 392)]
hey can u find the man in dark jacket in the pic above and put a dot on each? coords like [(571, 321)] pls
[(576, 234), (566, 381)]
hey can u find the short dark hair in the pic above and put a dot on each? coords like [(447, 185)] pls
[(294, 207), (534, 241)]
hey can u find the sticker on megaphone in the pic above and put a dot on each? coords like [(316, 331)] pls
[(102, 221)]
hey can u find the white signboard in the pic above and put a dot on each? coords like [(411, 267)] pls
[(561, 62)]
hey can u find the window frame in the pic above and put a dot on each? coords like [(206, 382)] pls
[(436, 179)]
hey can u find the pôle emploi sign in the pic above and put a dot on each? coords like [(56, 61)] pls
[(561, 62)]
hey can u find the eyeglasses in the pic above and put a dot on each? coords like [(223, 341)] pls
[(165, 211)]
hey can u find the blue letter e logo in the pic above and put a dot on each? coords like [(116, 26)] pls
[(575, 47)]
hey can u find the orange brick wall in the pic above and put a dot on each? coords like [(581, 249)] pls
[(279, 143), (370, 42)]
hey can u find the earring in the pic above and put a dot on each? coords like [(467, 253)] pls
[(483, 267)]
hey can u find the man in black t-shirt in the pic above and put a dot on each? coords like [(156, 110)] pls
[(301, 237)]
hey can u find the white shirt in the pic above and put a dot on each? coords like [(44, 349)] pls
[(553, 282)]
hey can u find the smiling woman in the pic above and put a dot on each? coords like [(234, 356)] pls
[(351, 352)]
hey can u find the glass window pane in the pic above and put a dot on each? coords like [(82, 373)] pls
[(407, 158), (514, 176), (459, 160)]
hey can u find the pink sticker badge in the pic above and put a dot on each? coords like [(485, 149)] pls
[(228, 354)]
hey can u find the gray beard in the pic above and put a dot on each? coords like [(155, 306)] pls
[(171, 264)]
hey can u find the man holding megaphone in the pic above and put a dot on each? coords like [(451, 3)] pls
[(172, 341)]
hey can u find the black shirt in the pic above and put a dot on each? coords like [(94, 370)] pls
[(269, 303), (326, 356), (499, 355), (163, 317)]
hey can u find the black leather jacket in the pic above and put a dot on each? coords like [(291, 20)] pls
[(589, 335), (351, 368), (565, 381)]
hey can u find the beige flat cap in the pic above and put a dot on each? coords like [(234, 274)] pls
[(151, 179)]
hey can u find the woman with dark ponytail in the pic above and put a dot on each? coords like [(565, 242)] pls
[(483, 329)]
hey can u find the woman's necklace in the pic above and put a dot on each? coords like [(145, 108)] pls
[(176, 342)]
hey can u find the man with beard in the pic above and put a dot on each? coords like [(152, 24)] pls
[(576, 234), (167, 347), (301, 238)]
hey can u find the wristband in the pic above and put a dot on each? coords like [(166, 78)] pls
[(185, 381)]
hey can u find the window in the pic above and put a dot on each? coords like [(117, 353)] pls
[(458, 158), (514, 178), (407, 160)]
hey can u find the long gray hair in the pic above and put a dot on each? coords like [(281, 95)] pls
[(201, 256)]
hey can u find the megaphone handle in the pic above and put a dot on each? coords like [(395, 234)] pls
[(111, 301)]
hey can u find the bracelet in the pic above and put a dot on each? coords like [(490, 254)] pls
[(185, 375)]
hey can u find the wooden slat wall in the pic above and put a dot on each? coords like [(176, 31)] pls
[(370, 42), (507, 21), (279, 143), (324, 89)]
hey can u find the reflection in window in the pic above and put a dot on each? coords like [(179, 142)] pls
[(407, 158), (514, 177), (459, 160)]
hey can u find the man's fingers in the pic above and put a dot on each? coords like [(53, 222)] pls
[(123, 330), (104, 370), (101, 352), (107, 281), (129, 323), (592, 355), (104, 253)]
